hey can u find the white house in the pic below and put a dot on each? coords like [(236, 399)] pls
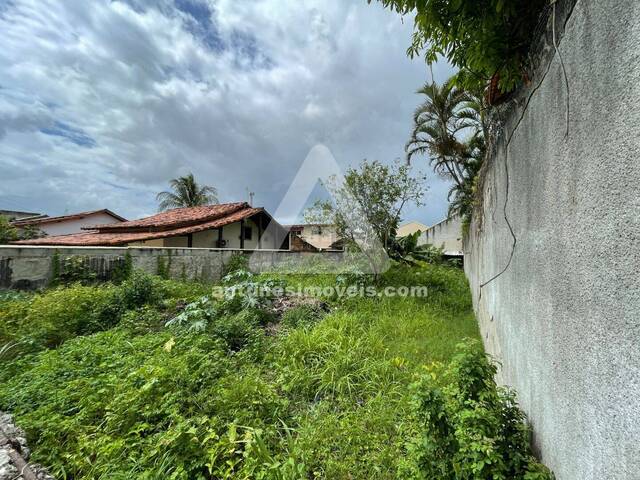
[(67, 224)]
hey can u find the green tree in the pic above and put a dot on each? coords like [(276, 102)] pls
[(438, 122), (482, 38), (372, 195), (449, 128), (187, 193), (29, 232), (8, 233)]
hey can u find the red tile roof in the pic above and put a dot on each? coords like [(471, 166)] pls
[(178, 217), (181, 221), (63, 218)]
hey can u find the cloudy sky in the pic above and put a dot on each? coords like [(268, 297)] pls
[(101, 102)]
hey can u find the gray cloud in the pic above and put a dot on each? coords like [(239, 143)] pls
[(102, 102)]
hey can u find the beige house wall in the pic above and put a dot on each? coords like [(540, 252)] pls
[(157, 242), (209, 238), (176, 242), (411, 228)]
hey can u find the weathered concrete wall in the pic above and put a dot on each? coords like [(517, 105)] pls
[(29, 267), (446, 234), (564, 317)]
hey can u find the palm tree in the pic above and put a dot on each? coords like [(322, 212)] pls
[(186, 193), (461, 196), (447, 114), (437, 123)]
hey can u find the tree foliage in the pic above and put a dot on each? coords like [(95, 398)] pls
[(9, 233), (371, 195), (468, 427), (480, 37), (449, 128), (186, 192)]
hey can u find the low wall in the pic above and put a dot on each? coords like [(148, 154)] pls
[(446, 234), (553, 253), (27, 267)]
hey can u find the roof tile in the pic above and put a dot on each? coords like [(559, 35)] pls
[(113, 237)]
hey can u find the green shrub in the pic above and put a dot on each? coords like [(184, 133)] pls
[(143, 320), (46, 320), (302, 316), (123, 269), (65, 312), (468, 428), (80, 402), (237, 261), (140, 289), (186, 291), (237, 330), (73, 269)]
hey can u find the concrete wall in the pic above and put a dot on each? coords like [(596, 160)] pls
[(446, 234), (564, 317), (31, 267)]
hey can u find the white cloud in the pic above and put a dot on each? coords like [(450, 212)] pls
[(102, 102)]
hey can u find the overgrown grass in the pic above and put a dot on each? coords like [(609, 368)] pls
[(318, 398)]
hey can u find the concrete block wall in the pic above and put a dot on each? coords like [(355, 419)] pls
[(562, 312), (28, 267)]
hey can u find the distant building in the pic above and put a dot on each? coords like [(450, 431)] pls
[(17, 215), (446, 234), (68, 224), (314, 237), (410, 228), (227, 225)]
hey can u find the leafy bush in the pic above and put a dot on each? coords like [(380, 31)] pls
[(406, 249), (238, 330), (196, 316), (62, 313), (142, 320), (237, 261), (8, 233), (140, 289), (301, 316), (73, 269), (45, 320), (83, 400), (468, 427)]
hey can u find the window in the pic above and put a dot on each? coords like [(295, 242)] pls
[(316, 230), (248, 233)]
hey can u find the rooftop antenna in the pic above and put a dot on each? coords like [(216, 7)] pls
[(251, 195)]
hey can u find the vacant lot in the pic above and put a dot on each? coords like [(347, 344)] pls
[(231, 388)]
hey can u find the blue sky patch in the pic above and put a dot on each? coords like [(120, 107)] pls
[(200, 23), (74, 135)]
